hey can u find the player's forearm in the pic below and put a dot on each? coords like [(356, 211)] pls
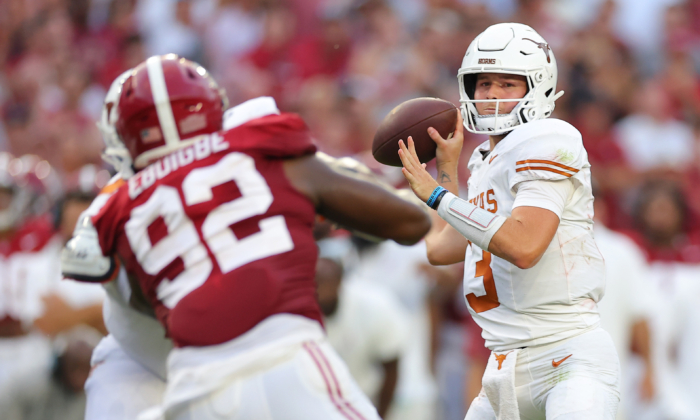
[(447, 176), (386, 393), (641, 341), (512, 243), (444, 245), (520, 239)]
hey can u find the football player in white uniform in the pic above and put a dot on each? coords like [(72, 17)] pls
[(533, 273)]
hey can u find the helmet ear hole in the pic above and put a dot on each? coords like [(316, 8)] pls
[(548, 92), (469, 81)]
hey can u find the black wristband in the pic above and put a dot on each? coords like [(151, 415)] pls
[(438, 199)]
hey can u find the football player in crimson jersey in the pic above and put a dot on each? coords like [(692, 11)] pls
[(28, 274), (216, 226), (128, 365), (533, 273)]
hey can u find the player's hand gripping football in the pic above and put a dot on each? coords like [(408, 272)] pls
[(420, 180), (449, 149)]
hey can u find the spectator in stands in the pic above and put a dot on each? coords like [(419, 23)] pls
[(651, 139), (661, 215), (626, 316)]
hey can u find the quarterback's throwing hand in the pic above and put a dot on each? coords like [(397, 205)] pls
[(420, 180)]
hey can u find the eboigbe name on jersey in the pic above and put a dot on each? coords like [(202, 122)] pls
[(200, 149)]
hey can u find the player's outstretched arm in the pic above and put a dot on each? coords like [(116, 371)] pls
[(357, 204), (444, 244), (520, 239)]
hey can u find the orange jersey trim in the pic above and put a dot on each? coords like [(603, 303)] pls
[(548, 162), (108, 189), (543, 168)]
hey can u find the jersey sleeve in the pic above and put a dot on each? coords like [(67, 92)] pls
[(85, 257), (102, 213), (554, 153), (550, 195), (106, 221)]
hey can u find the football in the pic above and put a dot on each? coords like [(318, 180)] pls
[(412, 118)]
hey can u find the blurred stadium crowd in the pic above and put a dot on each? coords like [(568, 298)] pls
[(629, 70)]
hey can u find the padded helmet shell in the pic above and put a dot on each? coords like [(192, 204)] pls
[(509, 48), (166, 103)]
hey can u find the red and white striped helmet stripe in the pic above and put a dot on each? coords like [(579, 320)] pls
[(162, 101)]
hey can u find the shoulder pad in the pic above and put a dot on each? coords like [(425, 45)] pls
[(282, 135), (548, 150), (82, 259), (249, 110)]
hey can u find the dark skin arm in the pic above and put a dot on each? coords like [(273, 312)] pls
[(386, 393), (59, 316), (357, 204), (641, 344)]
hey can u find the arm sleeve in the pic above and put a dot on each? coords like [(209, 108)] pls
[(550, 195)]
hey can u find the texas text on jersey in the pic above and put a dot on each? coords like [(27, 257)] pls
[(212, 229)]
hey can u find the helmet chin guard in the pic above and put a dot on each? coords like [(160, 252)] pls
[(508, 48)]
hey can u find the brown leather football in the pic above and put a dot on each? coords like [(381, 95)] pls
[(412, 118)]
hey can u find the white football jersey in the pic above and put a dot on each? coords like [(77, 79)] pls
[(557, 298)]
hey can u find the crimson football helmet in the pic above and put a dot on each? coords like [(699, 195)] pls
[(165, 104)]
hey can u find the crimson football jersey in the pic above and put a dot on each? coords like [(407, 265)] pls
[(215, 233)]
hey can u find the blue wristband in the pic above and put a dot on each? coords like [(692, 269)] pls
[(434, 196)]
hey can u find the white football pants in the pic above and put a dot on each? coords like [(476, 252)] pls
[(584, 386), (25, 374), (314, 384), (119, 388)]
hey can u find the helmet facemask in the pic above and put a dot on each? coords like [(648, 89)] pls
[(115, 153)]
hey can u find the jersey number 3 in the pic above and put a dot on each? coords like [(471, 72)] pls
[(490, 299), (182, 240)]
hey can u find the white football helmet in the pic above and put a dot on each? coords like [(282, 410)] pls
[(115, 153), (510, 48)]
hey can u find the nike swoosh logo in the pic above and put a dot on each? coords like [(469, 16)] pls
[(556, 364), (491, 160)]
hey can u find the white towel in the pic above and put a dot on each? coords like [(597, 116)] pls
[(499, 384)]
